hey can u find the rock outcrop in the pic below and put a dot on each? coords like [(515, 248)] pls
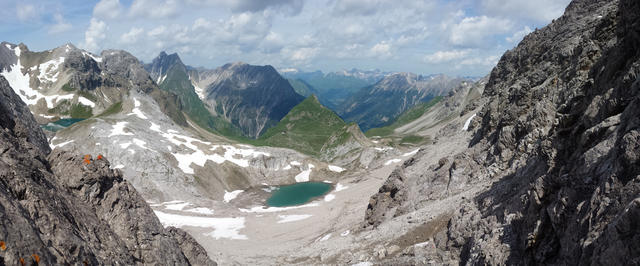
[(555, 157), (63, 208)]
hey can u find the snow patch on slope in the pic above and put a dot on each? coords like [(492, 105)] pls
[(223, 227), (411, 153), (262, 209), (136, 110), (199, 91), (118, 130), (336, 169), (85, 101), (467, 123), (49, 70), (304, 175), (229, 196), (392, 161), (95, 58), (292, 218)]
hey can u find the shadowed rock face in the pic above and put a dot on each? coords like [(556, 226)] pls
[(57, 209), (254, 98), (556, 156)]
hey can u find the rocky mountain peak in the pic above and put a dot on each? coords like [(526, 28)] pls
[(398, 80), (160, 66), (235, 65)]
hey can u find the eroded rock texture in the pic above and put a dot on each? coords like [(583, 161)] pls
[(558, 150)]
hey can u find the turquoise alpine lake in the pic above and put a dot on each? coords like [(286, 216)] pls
[(60, 124), (297, 194)]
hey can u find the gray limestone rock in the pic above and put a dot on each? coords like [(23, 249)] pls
[(555, 157)]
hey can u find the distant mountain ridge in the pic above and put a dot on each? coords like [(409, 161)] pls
[(172, 75), (314, 129), (333, 88), (238, 97), (69, 82), (381, 103)]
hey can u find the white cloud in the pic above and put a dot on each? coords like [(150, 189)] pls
[(290, 7), (302, 55), (518, 35), (94, 35), (60, 26), (381, 50), (157, 31), (155, 9), (107, 9), (542, 11), (399, 35), (487, 61), (474, 31), (445, 56), (132, 36), (357, 7), (201, 24), (26, 12), (272, 43)]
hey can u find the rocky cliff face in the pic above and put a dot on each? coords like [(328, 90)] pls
[(63, 208), (383, 102), (175, 77), (253, 98), (553, 169)]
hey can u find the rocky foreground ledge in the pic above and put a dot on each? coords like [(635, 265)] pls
[(62, 208)]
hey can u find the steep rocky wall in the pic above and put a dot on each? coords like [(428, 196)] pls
[(558, 149)]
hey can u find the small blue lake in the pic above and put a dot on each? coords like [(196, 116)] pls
[(297, 194), (60, 124)]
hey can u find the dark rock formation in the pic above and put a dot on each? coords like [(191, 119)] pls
[(67, 210), (253, 98), (558, 148)]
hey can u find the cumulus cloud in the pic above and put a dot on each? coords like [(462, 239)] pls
[(157, 31), (94, 35), (381, 50), (446, 56), (272, 43), (474, 31), (518, 35), (357, 7), (542, 11), (132, 36), (301, 55), (290, 7), (399, 35), (107, 9), (60, 26), (486, 61), (155, 9), (26, 12)]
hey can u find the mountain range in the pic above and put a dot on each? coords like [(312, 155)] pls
[(107, 160), (381, 103), (235, 97)]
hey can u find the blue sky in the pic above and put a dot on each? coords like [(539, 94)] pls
[(465, 37)]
